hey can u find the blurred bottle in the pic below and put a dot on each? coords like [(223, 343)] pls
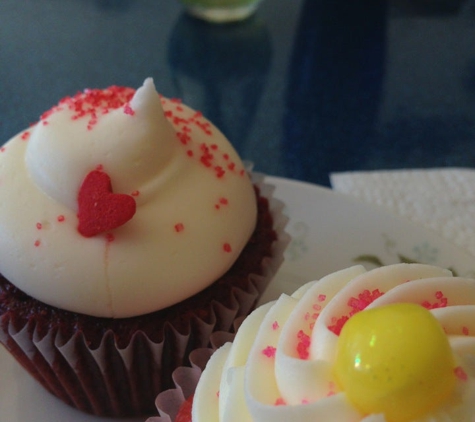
[(221, 71), (334, 86), (221, 11)]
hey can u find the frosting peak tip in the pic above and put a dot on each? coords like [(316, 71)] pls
[(145, 95)]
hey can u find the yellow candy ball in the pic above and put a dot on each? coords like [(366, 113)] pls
[(395, 360)]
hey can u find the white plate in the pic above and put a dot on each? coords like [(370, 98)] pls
[(329, 231)]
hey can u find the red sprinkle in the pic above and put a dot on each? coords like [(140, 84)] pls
[(440, 302), (93, 102), (227, 247), (37, 243), (357, 304), (219, 171), (135, 193), (303, 345), (61, 218), (25, 135), (269, 351), (39, 226), (179, 227), (275, 325), (280, 402), (460, 373)]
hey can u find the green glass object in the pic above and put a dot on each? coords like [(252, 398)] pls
[(221, 11)]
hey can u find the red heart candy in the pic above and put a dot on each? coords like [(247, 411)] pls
[(101, 210)]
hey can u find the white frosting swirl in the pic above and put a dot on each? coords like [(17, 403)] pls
[(196, 206), (279, 367)]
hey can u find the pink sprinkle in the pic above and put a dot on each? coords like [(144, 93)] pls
[(322, 298), (441, 301), (280, 402), (135, 193), (460, 373), (179, 227), (303, 345), (128, 110), (37, 243), (317, 307), (220, 172), (25, 135), (275, 325), (223, 201), (2, 149), (227, 247), (338, 325), (39, 226), (61, 218), (189, 153), (269, 351), (357, 304)]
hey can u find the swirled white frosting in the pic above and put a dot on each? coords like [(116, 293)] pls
[(195, 203), (279, 367)]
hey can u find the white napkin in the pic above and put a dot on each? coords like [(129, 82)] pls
[(443, 200)]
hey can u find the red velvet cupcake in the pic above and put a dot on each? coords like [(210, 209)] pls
[(129, 232)]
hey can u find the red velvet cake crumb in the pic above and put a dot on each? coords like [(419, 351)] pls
[(184, 414)]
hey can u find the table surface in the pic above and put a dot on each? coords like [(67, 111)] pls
[(303, 88)]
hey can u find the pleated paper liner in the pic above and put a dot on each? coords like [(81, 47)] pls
[(169, 403)]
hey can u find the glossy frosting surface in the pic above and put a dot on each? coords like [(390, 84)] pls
[(195, 203), (280, 366)]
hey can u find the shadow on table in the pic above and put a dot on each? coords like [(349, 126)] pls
[(221, 70), (334, 86)]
